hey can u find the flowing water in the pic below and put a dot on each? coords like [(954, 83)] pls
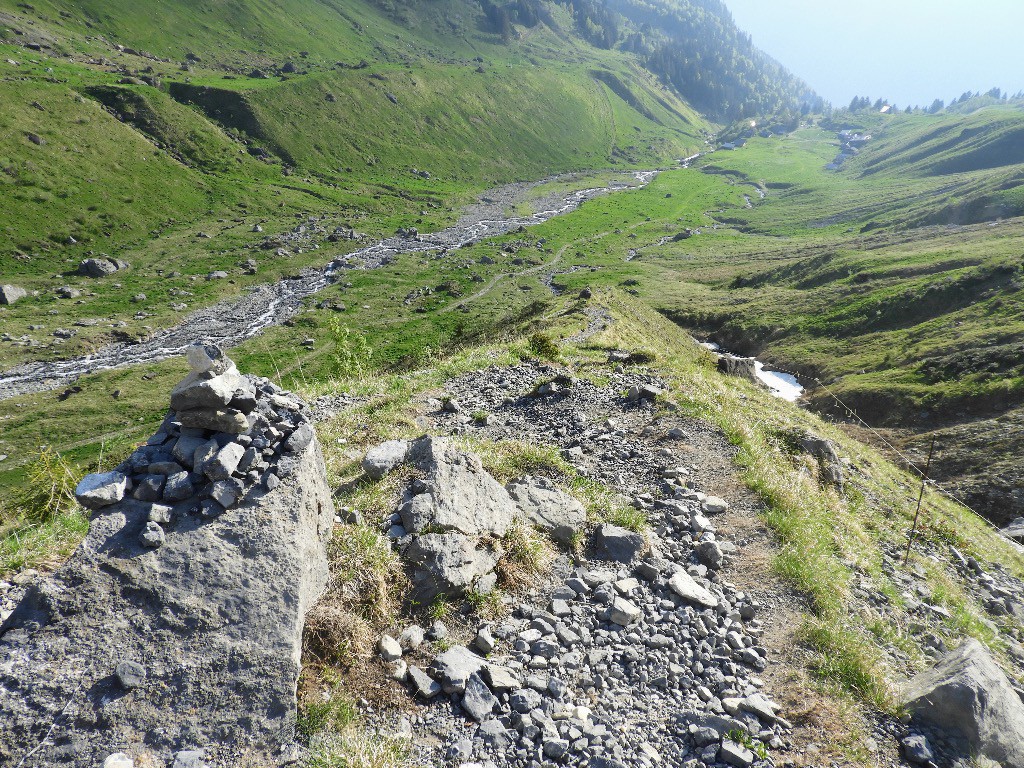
[(231, 322)]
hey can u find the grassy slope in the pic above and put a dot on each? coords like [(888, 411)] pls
[(142, 177)]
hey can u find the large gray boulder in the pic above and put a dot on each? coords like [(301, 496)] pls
[(548, 508), (967, 692), (100, 267), (457, 493), (11, 293), (204, 602)]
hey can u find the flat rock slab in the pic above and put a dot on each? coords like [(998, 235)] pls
[(193, 645)]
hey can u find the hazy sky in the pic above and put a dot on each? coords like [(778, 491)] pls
[(908, 51)]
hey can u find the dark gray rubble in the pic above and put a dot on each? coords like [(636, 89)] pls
[(176, 626)]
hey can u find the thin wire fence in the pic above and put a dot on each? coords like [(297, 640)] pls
[(911, 464)]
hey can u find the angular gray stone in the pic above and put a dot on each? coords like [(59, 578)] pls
[(478, 701), (383, 458), (299, 439), (623, 612), (130, 675), (101, 490), (494, 734), (224, 462), (968, 692), (453, 668), (714, 505), (207, 391), (152, 535), (917, 750), (97, 267), (224, 493), (11, 293), (501, 678), (736, 754), (614, 543), (423, 685), (389, 649), (460, 495), (683, 585), (204, 454), (215, 419), (178, 487), (190, 758), (411, 637), (449, 564), (525, 700), (710, 554), (149, 488), (548, 508), (160, 514), (185, 450), (828, 460)]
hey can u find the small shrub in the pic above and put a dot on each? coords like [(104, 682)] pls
[(544, 346), (352, 352), (49, 490)]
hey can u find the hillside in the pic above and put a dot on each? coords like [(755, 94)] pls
[(480, 496)]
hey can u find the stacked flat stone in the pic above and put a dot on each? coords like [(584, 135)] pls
[(225, 435)]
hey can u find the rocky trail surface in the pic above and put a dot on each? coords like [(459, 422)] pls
[(644, 650), (676, 647), (231, 322)]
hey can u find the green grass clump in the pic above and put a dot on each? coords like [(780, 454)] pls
[(337, 737), (847, 660), (50, 488)]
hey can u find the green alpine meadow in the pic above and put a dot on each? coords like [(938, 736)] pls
[(504, 384)]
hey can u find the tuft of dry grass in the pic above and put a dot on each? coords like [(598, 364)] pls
[(364, 595), (527, 556)]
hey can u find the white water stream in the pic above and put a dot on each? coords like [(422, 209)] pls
[(231, 322), (783, 385)]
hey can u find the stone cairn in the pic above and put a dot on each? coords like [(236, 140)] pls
[(225, 435)]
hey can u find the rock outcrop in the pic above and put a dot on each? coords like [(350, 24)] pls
[(828, 460), (744, 367), (174, 631), (549, 508), (968, 693)]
